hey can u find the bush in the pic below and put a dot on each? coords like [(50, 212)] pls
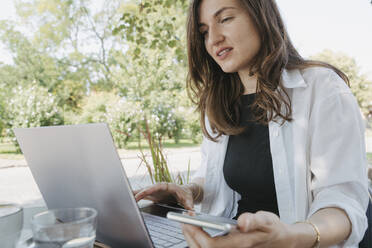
[(2, 119), (192, 128), (126, 118), (123, 118), (165, 121), (96, 106), (2, 109), (31, 106), (108, 107)]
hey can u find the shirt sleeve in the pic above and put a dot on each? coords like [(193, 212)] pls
[(338, 159)]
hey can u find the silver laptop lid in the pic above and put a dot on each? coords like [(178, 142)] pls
[(78, 166)]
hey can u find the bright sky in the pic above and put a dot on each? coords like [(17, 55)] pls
[(340, 25)]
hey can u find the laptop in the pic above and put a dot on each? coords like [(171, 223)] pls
[(78, 165)]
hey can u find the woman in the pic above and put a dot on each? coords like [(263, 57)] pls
[(283, 150)]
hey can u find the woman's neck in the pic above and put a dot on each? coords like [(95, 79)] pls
[(249, 82)]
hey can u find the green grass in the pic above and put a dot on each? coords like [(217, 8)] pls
[(9, 151), (8, 148), (133, 145), (11, 156)]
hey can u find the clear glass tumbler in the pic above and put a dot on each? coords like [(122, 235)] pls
[(65, 228), (11, 222)]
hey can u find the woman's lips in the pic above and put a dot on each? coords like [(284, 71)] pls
[(223, 53)]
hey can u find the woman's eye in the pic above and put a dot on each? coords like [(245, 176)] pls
[(204, 33), (226, 19)]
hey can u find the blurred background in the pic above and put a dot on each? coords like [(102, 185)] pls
[(125, 63)]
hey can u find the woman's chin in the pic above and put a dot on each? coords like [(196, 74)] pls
[(227, 69)]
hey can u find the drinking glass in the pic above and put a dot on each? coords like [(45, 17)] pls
[(11, 222), (65, 228)]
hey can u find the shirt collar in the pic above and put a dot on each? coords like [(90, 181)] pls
[(293, 79)]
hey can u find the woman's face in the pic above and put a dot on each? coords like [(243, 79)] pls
[(230, 36)]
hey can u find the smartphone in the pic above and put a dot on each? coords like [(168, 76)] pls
[(206, 221)]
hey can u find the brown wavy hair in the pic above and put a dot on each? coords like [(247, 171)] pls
[(217, 93)]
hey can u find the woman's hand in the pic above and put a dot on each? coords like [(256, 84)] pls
[(259, 230), (167, 193)]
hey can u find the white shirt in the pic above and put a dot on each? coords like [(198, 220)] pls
[(319, 158)]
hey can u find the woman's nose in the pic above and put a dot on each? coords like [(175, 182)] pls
[(215, 36)]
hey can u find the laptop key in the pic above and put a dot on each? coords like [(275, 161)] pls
[(175, 240), (180, 245), (160, 242), (164, 233), (158, 246)]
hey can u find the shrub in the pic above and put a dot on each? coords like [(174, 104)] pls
[(96, 106), (164, 120), (2, 118), (192, 127), (108, 107), (123, 118), (31, 106)]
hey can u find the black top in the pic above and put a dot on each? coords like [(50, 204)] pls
[(248, 167)]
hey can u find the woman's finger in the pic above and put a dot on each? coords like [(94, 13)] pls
[(165, 191), (135, 192), (145, 192), (187, 204), (196, 236), (190, 240), (261, 220), (244, 221), (181, 195), (141, 194), (184, 197)]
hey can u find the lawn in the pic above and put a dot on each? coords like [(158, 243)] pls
[(7, 148), (168, 143), (9, 151)]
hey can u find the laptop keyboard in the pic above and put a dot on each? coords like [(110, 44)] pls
[(164, 232)]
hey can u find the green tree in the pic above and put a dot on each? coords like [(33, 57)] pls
[(132, 50), (152, 70), (360, 86), (68, 48), (35, 65)]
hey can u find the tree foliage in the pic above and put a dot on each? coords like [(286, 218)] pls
[(124, 63), (155, 61), (360, 86), (31, 106)]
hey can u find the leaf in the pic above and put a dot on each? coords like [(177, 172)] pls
[(116, 30), (172, 43), (137, 51)]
